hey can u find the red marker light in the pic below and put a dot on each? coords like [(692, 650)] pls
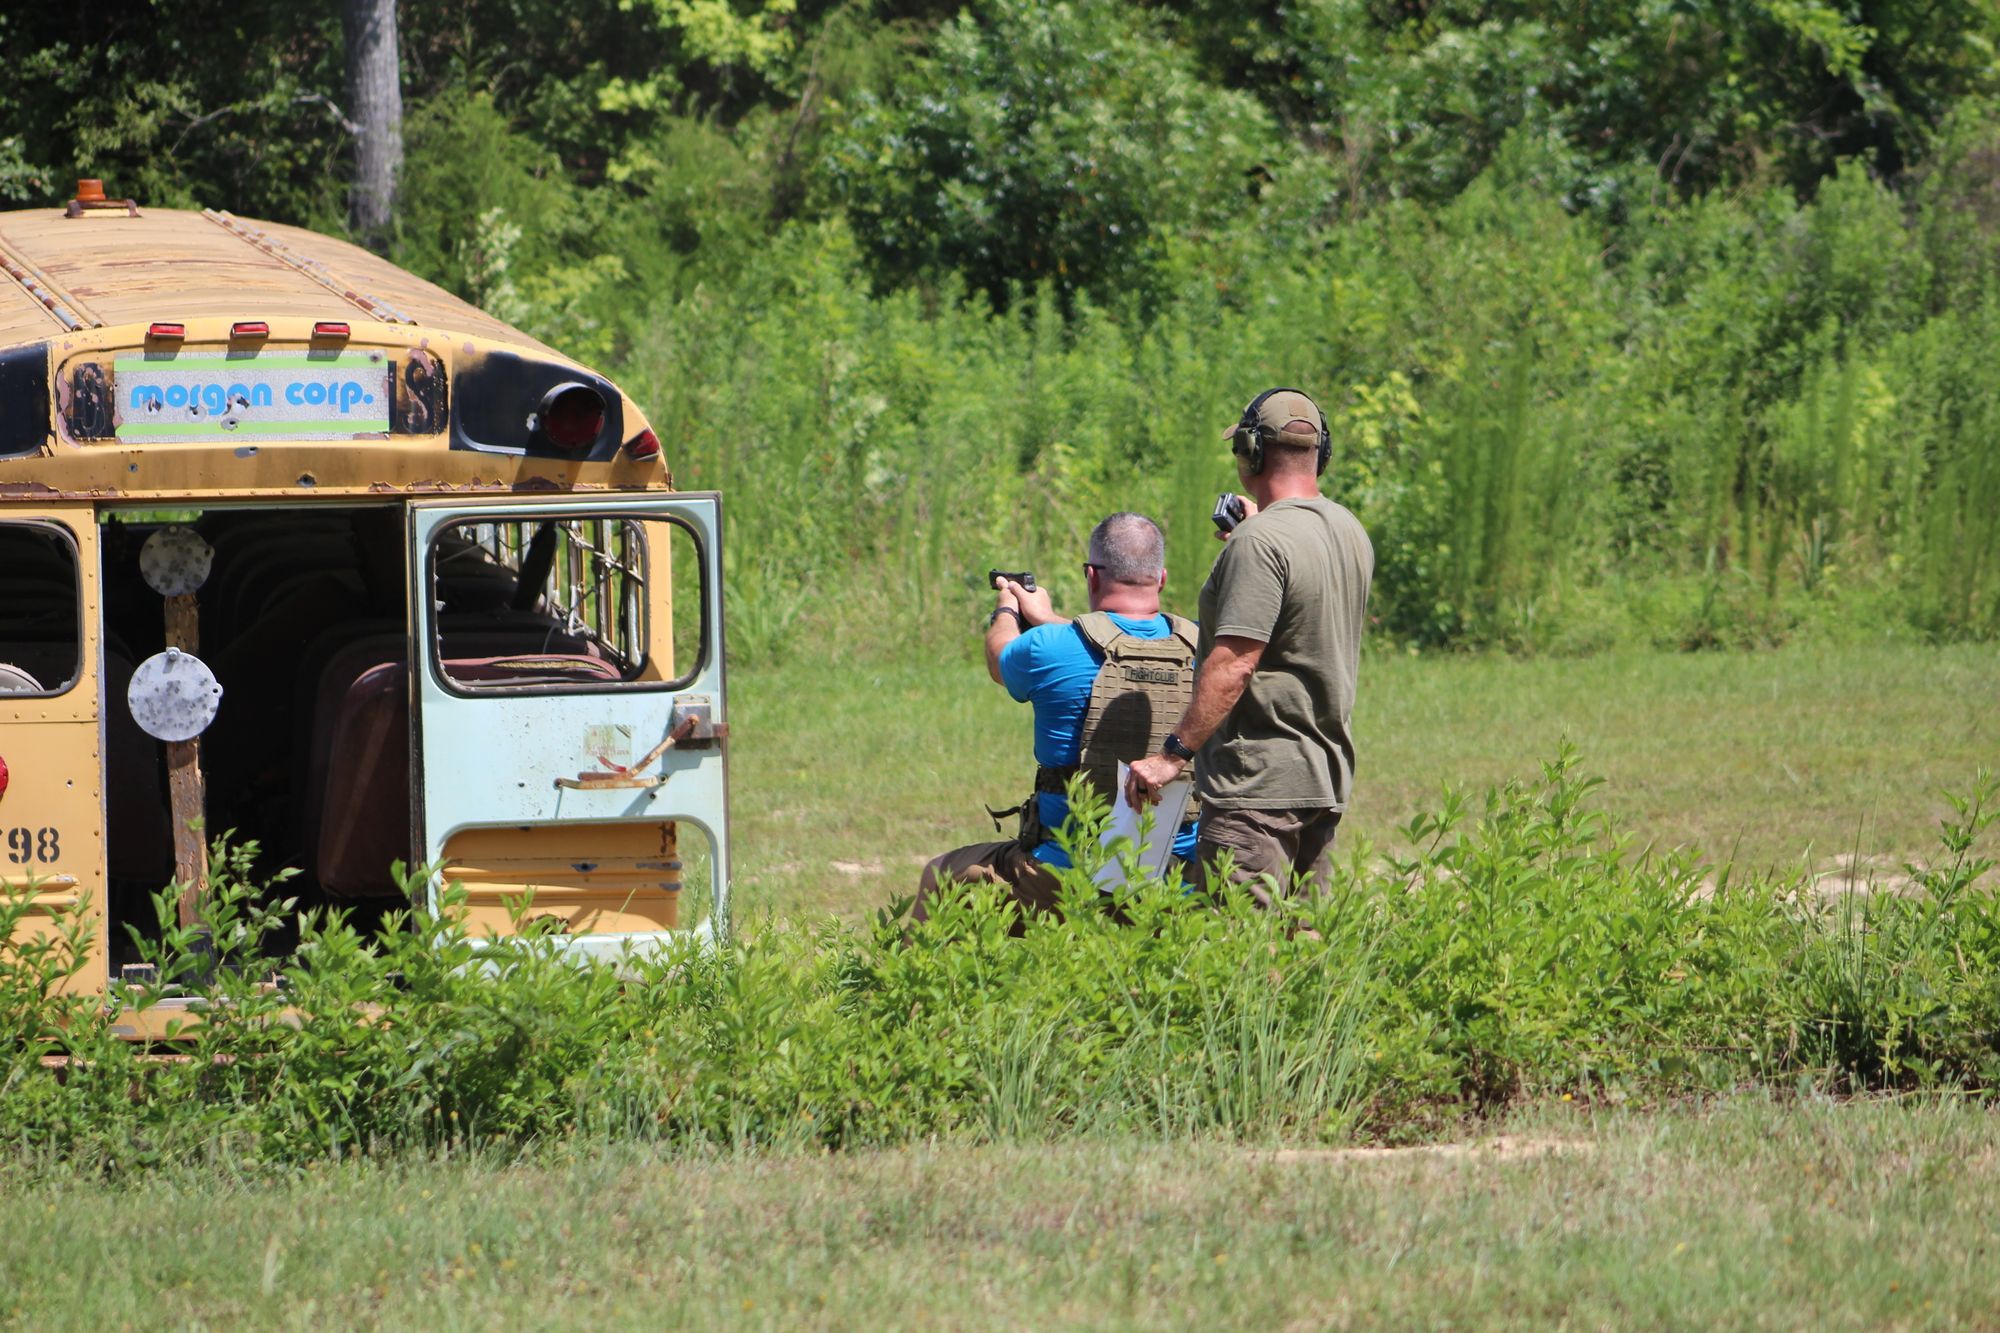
[(250, 328), (3, 777), (643, 445), (329, 329), (172, 333), (571, 416)]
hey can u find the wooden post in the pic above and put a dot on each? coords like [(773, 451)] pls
[(185, 787)]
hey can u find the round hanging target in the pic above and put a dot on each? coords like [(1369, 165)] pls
[(173, 696), (175, 561)]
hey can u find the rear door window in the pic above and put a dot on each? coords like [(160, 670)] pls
[(567, 603)]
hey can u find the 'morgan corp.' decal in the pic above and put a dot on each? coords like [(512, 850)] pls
[(282, 395)]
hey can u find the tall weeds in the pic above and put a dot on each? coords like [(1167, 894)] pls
[(1520, 950), (1719, 422)]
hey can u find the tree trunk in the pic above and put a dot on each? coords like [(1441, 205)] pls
[(375, 104)]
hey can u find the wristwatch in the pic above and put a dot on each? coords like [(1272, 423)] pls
[(1174, 746), (1000, 611)]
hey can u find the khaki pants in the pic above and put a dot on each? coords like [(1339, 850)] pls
[(1269, 847), (1033, 886)]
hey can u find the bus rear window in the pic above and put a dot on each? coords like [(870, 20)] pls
[(41, 631), (566, 603)]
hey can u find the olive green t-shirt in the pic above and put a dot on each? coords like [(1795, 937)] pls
[(1295, 578)]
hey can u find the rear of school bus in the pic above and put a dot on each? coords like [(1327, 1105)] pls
[(296, 546)]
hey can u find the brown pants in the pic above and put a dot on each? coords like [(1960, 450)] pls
[(1033, 886), (1270, 848)]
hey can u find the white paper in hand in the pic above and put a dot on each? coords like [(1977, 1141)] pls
[(1124, 823)]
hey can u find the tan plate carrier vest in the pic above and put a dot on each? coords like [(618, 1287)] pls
[(1141, 691)]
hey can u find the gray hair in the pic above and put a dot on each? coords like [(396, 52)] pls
[(1128, 548)]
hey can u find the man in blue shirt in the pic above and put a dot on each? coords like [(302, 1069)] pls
[(1054, 664)]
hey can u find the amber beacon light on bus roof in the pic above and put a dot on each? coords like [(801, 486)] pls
[(295, 543)]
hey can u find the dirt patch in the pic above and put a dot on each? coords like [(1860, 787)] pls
[(1864, 874), (856, 867), (1503, 1148), (1844, 876)]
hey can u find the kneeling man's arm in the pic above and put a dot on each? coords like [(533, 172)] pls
[(1017, 609)]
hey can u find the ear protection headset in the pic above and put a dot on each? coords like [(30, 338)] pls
[(1249, 437)]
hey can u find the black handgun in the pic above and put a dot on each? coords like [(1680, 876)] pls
[(1228, 511), (1025, 577)]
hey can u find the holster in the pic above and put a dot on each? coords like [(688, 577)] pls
[(1030, 831)]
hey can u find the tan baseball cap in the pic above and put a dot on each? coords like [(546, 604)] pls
[(1289, 415)]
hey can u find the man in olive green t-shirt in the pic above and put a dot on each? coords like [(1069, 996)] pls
[(1280, 647)]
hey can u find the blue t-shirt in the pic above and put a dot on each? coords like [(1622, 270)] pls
[(1054, 667)]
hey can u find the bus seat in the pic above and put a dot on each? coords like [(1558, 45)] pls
[(534, 669), (40, 561), (344, 665), (467, 578), (241, 590), (475, 588), (52, 661), (256, 671), (320, 651), (498, 633), (13, 680), (365, 820), (32, 613), (349, 652), (266, 588), (380, 544)]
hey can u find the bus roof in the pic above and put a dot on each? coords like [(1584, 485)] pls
[(107, 268), (165, 354)]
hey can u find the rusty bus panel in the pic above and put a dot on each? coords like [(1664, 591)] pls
[(629, 883)]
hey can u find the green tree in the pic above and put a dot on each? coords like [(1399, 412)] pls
[(1414, 97), (1062, 143)]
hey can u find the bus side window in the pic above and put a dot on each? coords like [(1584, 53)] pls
[(40, 627)]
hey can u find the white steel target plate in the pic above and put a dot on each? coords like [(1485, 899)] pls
[(173, 696), (175, 561)]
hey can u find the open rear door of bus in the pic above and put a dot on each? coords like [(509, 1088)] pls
[(52, 681), (571, 726)]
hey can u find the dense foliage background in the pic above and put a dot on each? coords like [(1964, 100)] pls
[(1667, 321)]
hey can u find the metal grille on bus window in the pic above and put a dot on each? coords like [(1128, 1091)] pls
[(594, 590)]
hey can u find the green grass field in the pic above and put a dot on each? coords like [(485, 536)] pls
[(1771, 1206), (849, 776), (1746, 1213)]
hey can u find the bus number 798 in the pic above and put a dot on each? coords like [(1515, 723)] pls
[(25, 845)]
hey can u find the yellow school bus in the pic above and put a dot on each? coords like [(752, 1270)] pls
[(298, 547)]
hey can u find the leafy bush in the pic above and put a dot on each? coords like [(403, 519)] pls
[(1526, 951)]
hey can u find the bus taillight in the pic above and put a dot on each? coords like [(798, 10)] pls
[(643, 445), (571, 416)]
